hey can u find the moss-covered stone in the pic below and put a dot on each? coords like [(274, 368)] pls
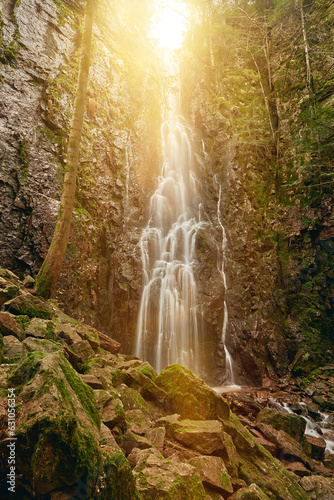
[(29, 305), (84, 393), (189, 396), (119, 481), (293, 425), (26, 369), (56, 452)]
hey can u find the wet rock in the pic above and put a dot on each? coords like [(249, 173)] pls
[(189, 396), (291, 424), (318, 487), (296, 467), (213, 473), (314, 447), (288, 447)]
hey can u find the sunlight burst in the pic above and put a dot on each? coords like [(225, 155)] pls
[(169, 26)]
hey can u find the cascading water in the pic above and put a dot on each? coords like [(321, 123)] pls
[(230, 377), (168, 329)]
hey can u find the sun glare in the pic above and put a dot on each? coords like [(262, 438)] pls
[(169, 25)]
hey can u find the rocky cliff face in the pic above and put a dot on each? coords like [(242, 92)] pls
[(39, 49), (267, 130)]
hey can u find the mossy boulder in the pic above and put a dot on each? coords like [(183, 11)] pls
[(189, 396), (119, 480), (8, 291), (294, 425), (58, 431), (29, 305), (158, 478)]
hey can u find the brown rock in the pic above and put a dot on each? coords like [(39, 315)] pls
[(204, 436), (296, 467), (9, 326), (268, 445), (288, 446), (92, 381), (252, 492), (213, 473), (314, 447), (132, 440), (12, 347), (157, 437), (319, 487), (109, 344)]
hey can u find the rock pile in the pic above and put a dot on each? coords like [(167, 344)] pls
[(95, 423)]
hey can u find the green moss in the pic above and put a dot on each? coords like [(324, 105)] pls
[(24, 157), (84, 393), (23, 321), (120, 483), (191, 489), (58, 448), (27, 368), (189, 396)]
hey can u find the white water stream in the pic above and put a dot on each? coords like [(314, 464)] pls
[(168, 330), (230, 377)]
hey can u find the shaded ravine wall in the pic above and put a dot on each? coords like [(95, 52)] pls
[(269, 139), (101, 275)]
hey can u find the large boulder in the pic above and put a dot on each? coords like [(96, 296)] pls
[(213, 473), (169, 479), (58, 431), (294, 425), (189, 396), (29, 305), (319, 487)]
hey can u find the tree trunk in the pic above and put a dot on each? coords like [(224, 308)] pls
[(49, 272), (306, 49)]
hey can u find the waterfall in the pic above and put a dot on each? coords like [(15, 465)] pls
[(168, 329), (230, 377)]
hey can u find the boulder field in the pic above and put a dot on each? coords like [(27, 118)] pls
[(93, 423)]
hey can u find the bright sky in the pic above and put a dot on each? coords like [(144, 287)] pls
[(170, 23)]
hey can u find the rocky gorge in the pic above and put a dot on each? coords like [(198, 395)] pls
[(92, 421)]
